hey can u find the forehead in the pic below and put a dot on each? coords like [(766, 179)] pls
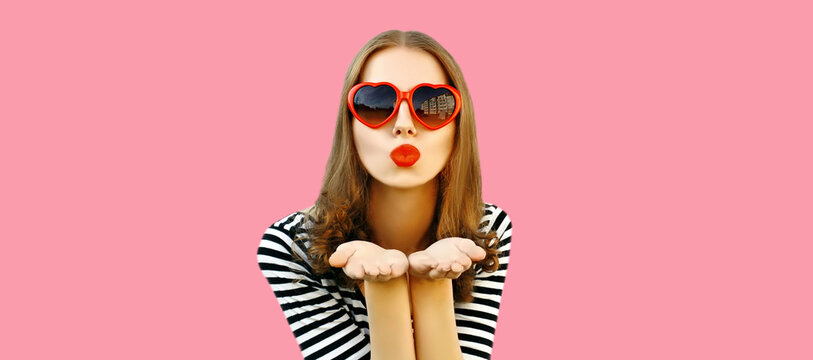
[(403, 67)]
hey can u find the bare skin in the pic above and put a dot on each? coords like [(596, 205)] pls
[(418, 287), (445, 259), (363, 260), (409, 298), (404, 275)]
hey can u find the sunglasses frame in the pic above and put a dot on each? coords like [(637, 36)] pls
[(401, 95)]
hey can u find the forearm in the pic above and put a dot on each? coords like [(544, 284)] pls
[(388, 314), (434, 320)]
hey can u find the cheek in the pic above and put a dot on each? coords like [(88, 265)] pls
[(438, 150), (369, 143), (446, 141), (362, 140)]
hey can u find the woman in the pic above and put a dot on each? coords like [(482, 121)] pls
[(399, 258)]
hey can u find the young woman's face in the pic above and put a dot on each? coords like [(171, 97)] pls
[(404, 68)]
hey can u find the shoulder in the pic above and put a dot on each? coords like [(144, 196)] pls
[(287, 237), (496, 219), (297, 220)]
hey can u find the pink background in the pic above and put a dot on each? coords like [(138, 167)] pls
[(655, 160)]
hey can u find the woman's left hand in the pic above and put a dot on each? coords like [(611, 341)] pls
[(445, 259)]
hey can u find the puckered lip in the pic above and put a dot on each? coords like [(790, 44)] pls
[(405, 155)]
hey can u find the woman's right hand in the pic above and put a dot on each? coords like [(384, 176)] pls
[(363, 260)]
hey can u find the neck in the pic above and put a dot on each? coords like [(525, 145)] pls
[(400, 218)]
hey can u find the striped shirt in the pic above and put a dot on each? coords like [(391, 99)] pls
[(330, 322)]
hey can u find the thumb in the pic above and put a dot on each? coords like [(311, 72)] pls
[(339, 258), (420, 262), (471, 249)]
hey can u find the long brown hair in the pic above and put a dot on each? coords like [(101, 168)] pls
[(339, 212)]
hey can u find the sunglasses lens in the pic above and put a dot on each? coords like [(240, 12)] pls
[(433, 106), (374, 104)]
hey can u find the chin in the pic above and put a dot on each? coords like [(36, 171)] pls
[(404, 181), (401, 184)]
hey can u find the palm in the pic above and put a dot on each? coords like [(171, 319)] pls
[(363, 260), (445, 259)]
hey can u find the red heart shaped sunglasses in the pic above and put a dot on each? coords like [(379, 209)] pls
[(374, 104)]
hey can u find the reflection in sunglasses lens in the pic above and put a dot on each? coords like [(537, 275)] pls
[(374, 104), (433, 106)]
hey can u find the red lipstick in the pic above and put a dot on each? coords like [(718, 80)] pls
[(405, 155)]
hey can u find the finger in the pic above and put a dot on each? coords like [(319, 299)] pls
[(421, 262), (399, 269), (370, 270), (339, 258), (384, 269), (464, 261), (438, 273), (354, 271), (382, 277), (457, 268), (448, 270), (471, 250)]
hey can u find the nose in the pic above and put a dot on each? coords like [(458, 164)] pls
[(404, 123)]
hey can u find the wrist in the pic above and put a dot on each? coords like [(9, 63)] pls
[(431, 290)]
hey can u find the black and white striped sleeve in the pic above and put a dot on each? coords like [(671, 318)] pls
[(477, 321), (321, 325)]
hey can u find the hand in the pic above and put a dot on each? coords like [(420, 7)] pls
[(445, 259), (363, 260)]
